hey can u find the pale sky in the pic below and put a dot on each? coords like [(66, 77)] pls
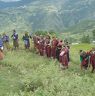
[(10, 0)]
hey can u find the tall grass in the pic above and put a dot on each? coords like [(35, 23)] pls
[(23, 73)]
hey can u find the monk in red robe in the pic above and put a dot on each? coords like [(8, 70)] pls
[(92, 59), (34, 41), (41, 46), (58, 49), (54, 46), (48, 47), (37, 44), (84, 58), (63, 58)]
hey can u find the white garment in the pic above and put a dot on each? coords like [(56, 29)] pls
[(62, 53), (1, 48)]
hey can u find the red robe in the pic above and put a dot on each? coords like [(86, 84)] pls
[(48, 48), (41, 47), (53, 49), (63, 57), (48, 51), (92, 61)]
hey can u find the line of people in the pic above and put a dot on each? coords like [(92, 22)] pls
[(87, 59), (5, 41), (52, 48)]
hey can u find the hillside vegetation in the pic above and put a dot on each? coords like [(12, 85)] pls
[(34, 15), (24, 73)]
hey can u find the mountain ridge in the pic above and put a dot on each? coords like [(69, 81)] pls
[(48, 15)]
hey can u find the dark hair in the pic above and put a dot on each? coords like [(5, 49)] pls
[(80, 50)]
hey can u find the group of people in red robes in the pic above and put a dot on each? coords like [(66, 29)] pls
[(52, 48), (87, 59)]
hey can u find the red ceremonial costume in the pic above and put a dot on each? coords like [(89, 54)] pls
[(92, 60), (54, 46), (63, 57), (48, 48), (41, 46)]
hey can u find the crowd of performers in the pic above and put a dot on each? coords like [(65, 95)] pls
[(87, 59), (5, 40), (51, 47)]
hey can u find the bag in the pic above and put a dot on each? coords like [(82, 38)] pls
[(62, 53)]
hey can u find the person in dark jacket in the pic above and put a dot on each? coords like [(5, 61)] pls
[(26, 40), (15, 39)]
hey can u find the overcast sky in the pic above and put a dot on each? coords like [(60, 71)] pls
[(10, 0)]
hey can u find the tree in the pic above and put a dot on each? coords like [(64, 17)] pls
[(85, 39), (93, 33)]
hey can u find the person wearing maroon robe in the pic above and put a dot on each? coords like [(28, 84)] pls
[(48, 47), (34, 41), (92, 59), (37, 44), (54, 46), (41, 46), (58, 49), (63, 58), (84, 57)]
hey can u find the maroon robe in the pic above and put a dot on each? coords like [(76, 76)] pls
[(34, 40), (37, 44), (48, 48), (41, 47), (92, 61), (54, 46), (63, 58)]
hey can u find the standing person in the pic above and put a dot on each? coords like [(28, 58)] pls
[(58, 49), (54, 43), (84, 58), (63, 58), (48, 47), (92, 59), (34, 41), (1, 48), (41, 45), (15, 39), (26, 40), (68, 54), (5, 41)]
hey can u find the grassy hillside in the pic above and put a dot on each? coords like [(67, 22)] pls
[(83, 26), (24, 73), (34, 15)]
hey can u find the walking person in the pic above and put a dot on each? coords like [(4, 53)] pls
[(15, 39)]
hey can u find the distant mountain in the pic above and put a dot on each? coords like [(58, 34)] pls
[(57, 15), (14, 4)]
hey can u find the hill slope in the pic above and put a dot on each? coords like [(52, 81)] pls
[(24, 73), (46, 14)]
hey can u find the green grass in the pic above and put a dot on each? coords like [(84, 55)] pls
[(24, 73)]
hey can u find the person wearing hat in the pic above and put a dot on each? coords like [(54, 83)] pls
[(1, 48), (15, 39), (92, 59), (63, 58), (58, 49), (48, 47), (84, 58), (26, 40), (54, 43), (5, 41)]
